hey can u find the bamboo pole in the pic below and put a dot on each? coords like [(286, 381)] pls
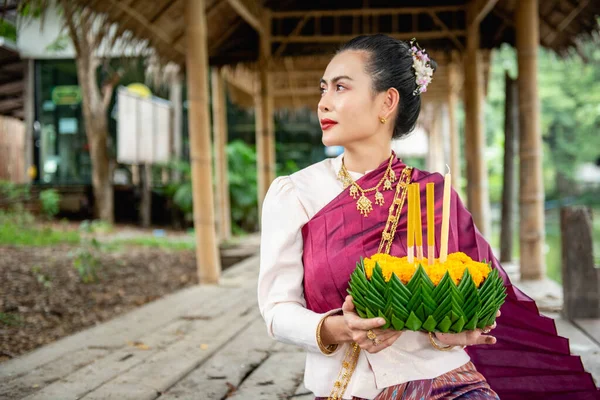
[(511, 118), (222, 200), (29, 110), (265, 135), (176, 100), (477, 188), (435, 156), (531, 184), (452, 101), (207, 257)]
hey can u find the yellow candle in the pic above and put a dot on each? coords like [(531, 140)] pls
[(411, 230), (430, 215), (418, 221), (430, 223), (418, 218), (445, 218)]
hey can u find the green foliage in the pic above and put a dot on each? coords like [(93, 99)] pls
[(50, 200), (241, 159), (569, 92), (85, 260), (42, 279), (10, 319), (12, 195), (8, 30), (243, 185), (18, 229)]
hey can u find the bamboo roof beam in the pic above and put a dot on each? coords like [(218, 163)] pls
[(295, 32), (483, 9), (345, 38), (366, 11), (445, 28), (248, 16), (150, 27), (551, 37)]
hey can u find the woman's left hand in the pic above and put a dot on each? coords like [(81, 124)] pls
[(468, 338)]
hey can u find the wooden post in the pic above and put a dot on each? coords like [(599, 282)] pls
[(477, 181), (265, 135), (176, 99), (531, 184), (511, 125), (581, 280), (453, 126), (29, 111), (435, 156), (207, 256), (222, 200), (146, 195), (135, 175)]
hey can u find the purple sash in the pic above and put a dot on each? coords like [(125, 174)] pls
[(529, 361)]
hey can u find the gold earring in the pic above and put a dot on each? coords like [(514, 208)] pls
[(382, 120)]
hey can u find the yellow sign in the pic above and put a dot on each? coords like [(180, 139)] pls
[(140, 89)]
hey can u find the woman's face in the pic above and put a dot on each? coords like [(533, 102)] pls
[(349, 112)]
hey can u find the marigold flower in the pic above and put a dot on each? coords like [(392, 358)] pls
[(455, 265)]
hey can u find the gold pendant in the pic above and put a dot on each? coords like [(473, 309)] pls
[(387, 185), (379, 200), (392, 175), (345, 179), (354, 191), (364, 205)]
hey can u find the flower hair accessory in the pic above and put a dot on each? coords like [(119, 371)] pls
[(422, 66)]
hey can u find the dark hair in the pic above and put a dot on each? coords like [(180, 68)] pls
[(390, 65)]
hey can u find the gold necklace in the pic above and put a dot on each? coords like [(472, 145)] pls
[(353, 352), (364, 205)]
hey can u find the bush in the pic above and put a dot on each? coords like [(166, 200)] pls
[(50, 200), (12, 195)]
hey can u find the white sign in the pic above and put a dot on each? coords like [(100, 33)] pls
[(143, 129)]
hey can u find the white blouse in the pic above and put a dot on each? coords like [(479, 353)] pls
[(289, 204)]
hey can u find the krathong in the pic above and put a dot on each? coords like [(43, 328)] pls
[(452, 293)]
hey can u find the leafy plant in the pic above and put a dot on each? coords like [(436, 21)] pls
[(50, 200), (243, 185), (13, 194), (41, 277), (8, 30), (85, 261), (10, 319)]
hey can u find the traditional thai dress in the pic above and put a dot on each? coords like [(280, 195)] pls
[(312, 237)]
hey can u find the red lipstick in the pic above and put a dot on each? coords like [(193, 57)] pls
[(327, 123)]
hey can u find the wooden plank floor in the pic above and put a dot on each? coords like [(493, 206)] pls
[(205, 342)]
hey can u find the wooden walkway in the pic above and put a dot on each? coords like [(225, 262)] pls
[(205, 342)]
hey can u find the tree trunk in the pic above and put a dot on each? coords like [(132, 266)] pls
[(511, 126), (146, 198), (96, 128)]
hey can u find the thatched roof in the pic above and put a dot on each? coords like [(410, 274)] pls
[(295, 80), (437, 24)]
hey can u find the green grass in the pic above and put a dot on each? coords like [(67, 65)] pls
[(153, 242), (15, 234)]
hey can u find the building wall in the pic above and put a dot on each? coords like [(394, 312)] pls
[(12, 150)]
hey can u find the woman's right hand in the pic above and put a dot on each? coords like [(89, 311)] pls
[(358, 328)]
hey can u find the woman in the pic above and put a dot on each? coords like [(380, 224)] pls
[(313, 234)]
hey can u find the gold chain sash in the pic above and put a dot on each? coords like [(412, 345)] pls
[(351, 356)]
